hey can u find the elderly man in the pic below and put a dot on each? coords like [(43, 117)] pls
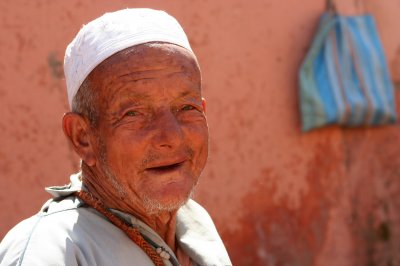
[(138, 123)]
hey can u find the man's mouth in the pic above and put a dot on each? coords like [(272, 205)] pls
[(165, 168)]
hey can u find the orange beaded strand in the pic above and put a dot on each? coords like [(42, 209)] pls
[(131, 232)]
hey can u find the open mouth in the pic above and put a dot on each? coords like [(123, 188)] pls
[(165, 168)]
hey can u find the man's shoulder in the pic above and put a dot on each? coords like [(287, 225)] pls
[(15, 240), (66, 233), (45, 232), (52, 214)]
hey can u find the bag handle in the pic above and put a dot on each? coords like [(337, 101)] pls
[(330, 6)]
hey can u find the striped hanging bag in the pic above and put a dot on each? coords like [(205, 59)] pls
[(344, 78)]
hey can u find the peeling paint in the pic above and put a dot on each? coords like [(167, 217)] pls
[(56, 66), (287, 235)]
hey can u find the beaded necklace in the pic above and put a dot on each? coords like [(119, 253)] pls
[(132, 233)]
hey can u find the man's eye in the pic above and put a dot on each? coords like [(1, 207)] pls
[(187, 108), (131, 113)]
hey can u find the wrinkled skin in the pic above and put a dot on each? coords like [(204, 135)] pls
[(147, 151)]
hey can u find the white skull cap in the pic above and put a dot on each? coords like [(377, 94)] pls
[(114, 32)]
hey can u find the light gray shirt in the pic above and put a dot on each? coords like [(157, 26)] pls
[(66, 232)]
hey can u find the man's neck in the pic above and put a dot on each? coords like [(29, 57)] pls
[(163, 223)]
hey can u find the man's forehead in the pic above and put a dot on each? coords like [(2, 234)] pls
[(146, 95), (139, 76), (150, 56), (145, 62)]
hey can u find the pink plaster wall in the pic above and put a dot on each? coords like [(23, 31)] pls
[(278, 197)]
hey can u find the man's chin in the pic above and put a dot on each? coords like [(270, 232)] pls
[(154, 206), (168, 203), (167, 199)]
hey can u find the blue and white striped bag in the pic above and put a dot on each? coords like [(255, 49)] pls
[(344, 79)]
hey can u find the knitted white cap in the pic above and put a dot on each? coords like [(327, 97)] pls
[(114, 32)]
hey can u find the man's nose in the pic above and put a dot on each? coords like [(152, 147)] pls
[(167, 131)]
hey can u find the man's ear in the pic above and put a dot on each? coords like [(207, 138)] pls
[(203, 103), (76, 129)]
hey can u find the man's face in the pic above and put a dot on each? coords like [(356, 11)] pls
[(152, 135)]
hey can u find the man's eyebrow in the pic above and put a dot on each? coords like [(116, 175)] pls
[(188, 93), (129, 97)]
